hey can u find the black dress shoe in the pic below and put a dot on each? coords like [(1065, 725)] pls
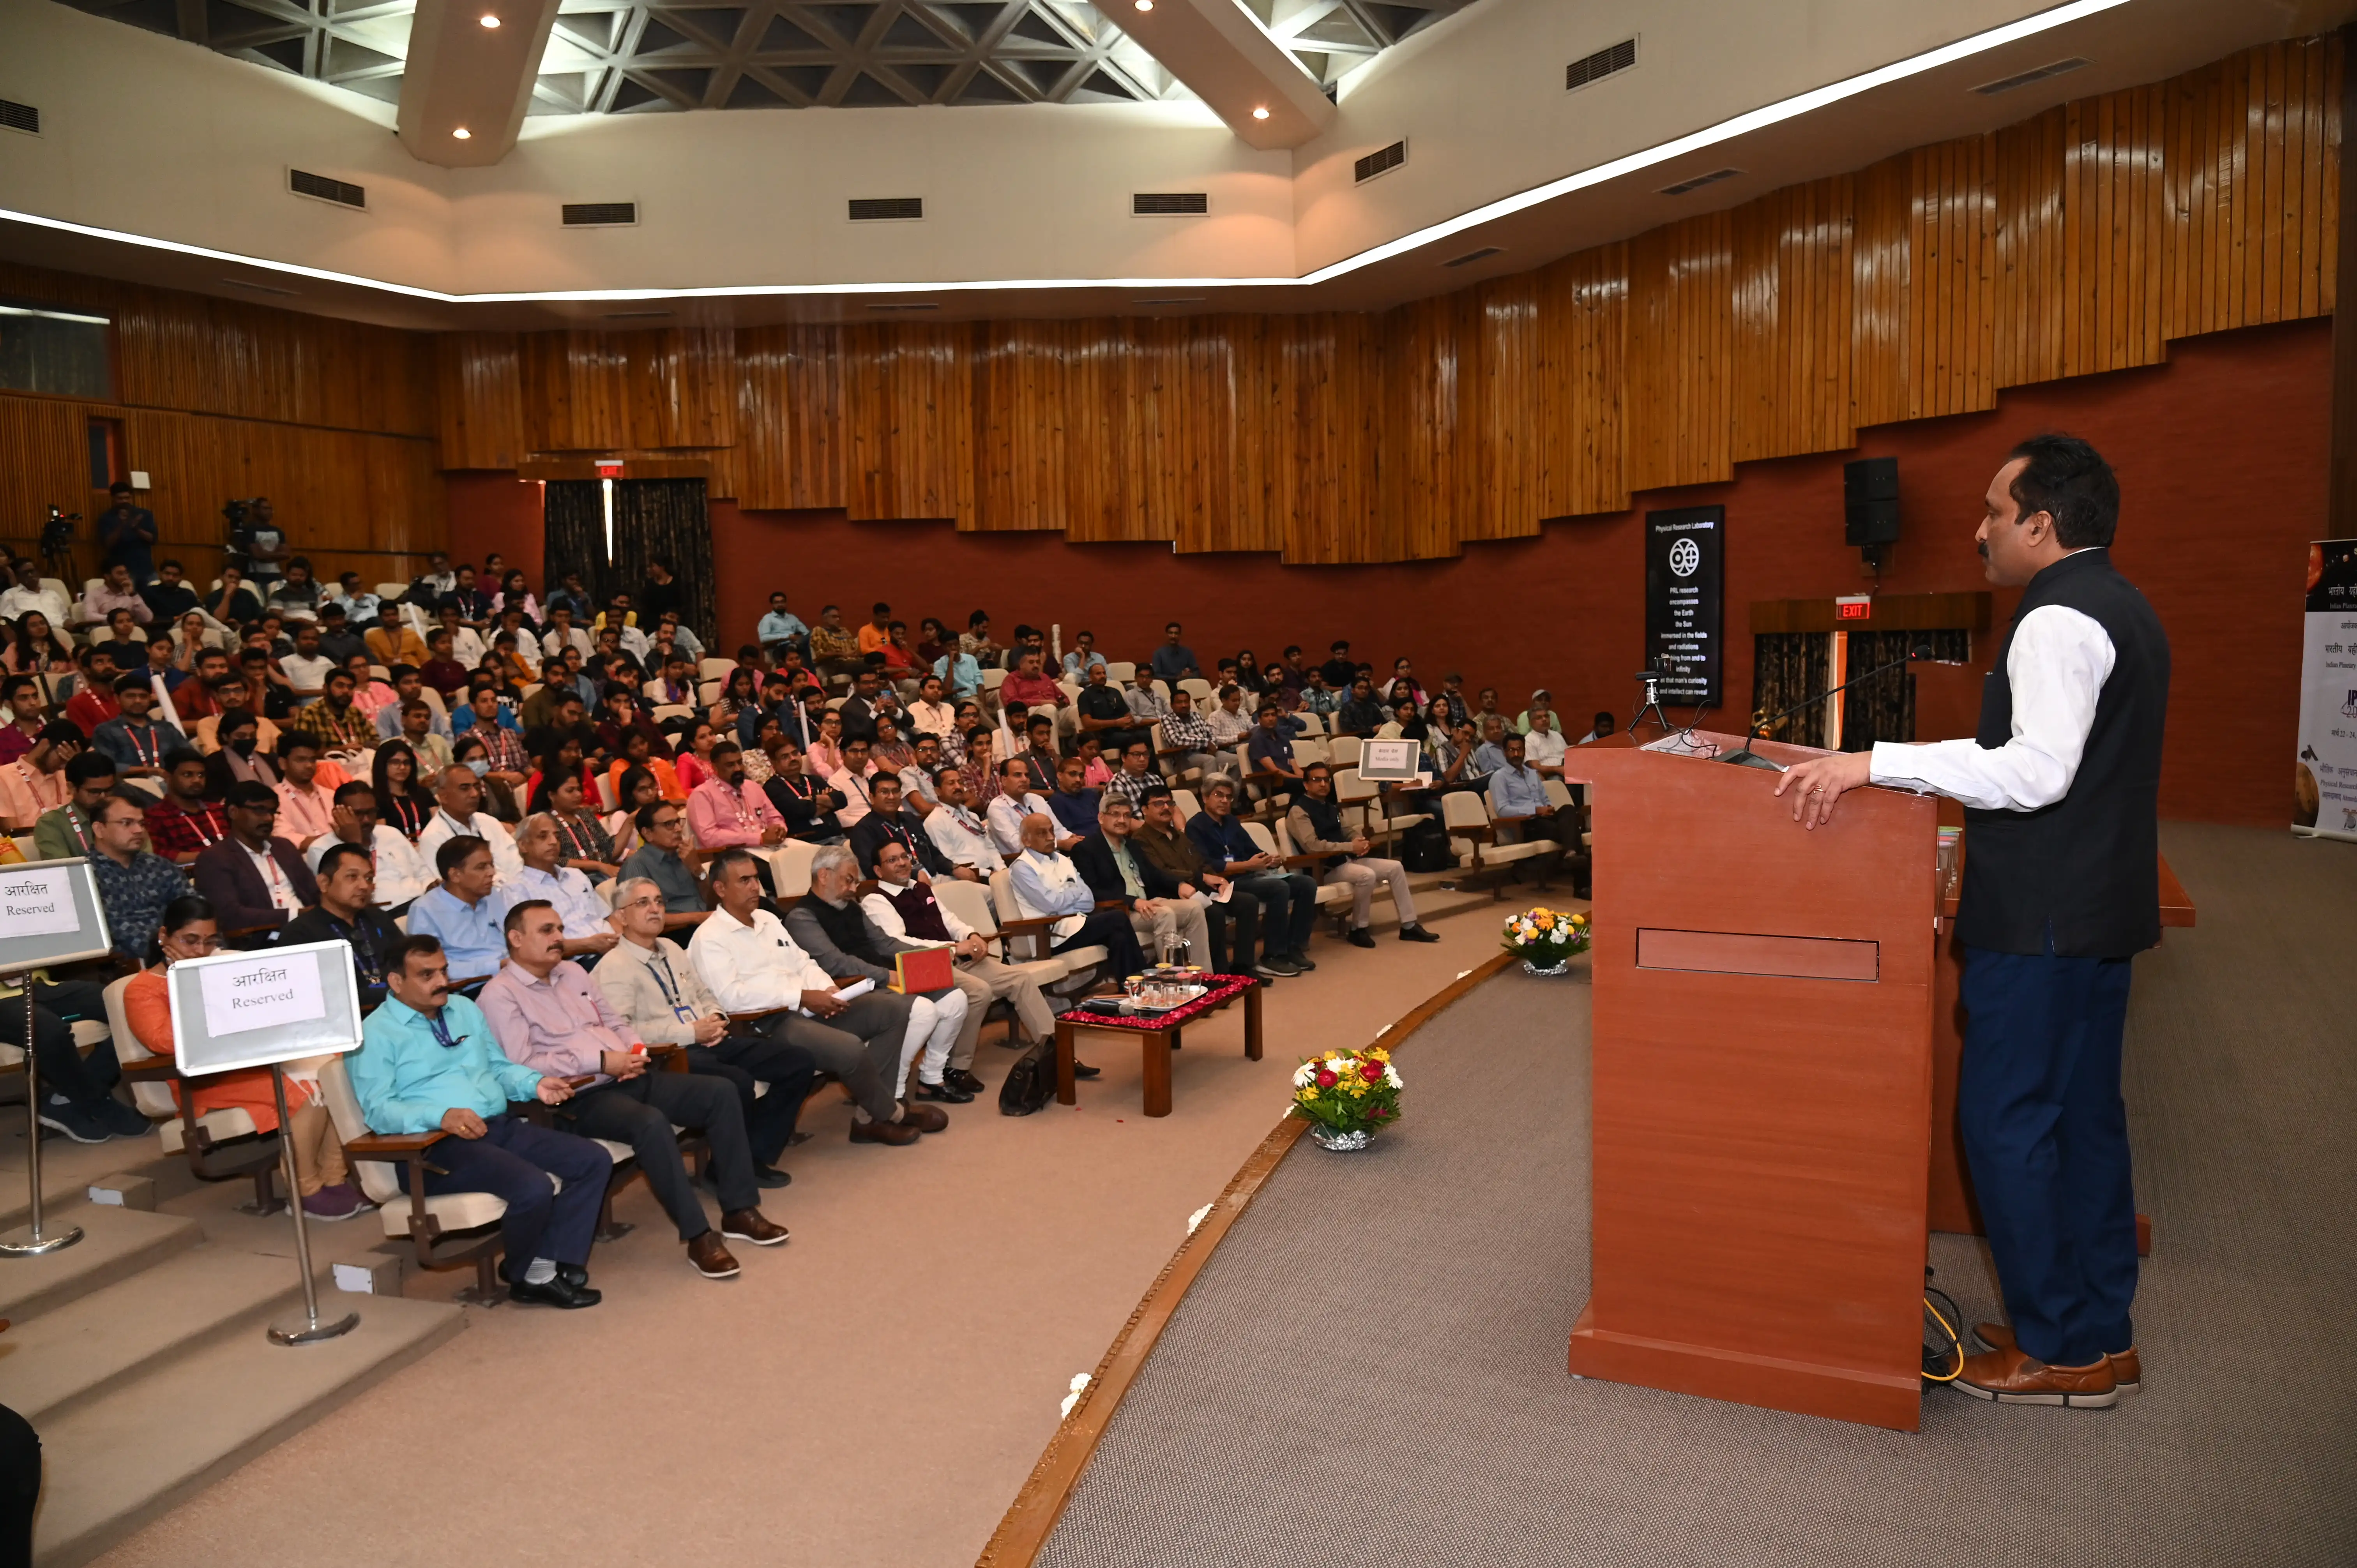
[(572, 1273), (769, 1175), (1415, 934), (558, 1292), (1300, 960), (962, 1079), (1082, 1070), (946, 1092), (1363, 938)]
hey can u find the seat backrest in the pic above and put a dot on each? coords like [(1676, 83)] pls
[(1464, 809), (1306, 751), (969, 901), (154, 1099), (1344, 750), (606, 792), (1262, 838), (384, 590), (991, 679), (789, 869), (1558, 793), (1204, 696), (673, 710), (708, 691), (344, 1109), (716, 669), (1184, 802), (1120, 673), (1311, 724), (1388, 730), (1349, 787), (1284, 835), (1002, 894)]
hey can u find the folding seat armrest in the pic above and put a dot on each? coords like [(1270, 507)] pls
[(391, 1146)]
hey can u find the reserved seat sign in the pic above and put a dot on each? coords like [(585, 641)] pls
[(250, 1009), (254, 992)]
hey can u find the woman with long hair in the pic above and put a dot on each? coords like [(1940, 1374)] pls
[(694, 762), (1249, 674), (189, 931), (639, 752), (826, 753), (514, 594), (402, 800), (36, 648), (582, 841), (636, 788), (741, 693), (552, 769)]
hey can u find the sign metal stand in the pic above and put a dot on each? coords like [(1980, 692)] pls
[(52, 915)]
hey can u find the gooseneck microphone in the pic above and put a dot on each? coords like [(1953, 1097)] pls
[(1747, 757)]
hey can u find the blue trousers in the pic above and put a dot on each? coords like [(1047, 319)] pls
[(513, 1161), (2046, 1136)]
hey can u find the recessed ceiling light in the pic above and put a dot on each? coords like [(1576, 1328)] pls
[(490, 21), (1260, 113), (1146, 5), (462, 132)]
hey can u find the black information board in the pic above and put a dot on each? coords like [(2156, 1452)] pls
[(1685, 570)]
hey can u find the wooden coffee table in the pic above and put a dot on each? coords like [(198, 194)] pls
[(1157, 1036)]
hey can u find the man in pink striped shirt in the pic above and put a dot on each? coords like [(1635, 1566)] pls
[(726, 809)]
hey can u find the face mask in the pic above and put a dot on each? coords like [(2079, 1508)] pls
[(243, 746), (481, 765)]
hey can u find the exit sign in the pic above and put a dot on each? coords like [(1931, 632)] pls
[(1854, 607)]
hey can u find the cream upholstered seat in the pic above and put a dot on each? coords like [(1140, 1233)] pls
[(1205, 697), (1332, 896), (1311, 724), (391, 590), (1185, 804), (1079, 962), (970, 902), (715, 668), (672, 710), (1344, 749), (453, 1211), (789, 869), (1120, 673)]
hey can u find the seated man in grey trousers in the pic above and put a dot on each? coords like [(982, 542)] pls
[(547, 1014), (1315, 825), (751, 966)]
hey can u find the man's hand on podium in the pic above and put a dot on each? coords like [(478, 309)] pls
[(1816, 784)]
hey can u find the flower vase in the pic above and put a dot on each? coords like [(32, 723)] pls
[(1560, 966), (1340, 1142)]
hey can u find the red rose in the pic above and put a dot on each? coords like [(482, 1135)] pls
[(1373, 1072), (1325, 1079)]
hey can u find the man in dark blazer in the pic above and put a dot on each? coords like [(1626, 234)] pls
[(253, 877), (1116, 873)]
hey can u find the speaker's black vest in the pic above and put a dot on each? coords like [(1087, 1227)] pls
[(847, 928), (2086, 867)]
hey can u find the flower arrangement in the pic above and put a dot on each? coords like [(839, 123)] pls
[(1347, 1095), (1544, 940)]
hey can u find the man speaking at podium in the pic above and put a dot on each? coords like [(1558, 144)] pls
[(2062, 890)]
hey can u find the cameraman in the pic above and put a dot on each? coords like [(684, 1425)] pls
[(256, 543), (127, 533)]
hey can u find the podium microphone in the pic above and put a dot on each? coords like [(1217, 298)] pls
[(1747, 757)]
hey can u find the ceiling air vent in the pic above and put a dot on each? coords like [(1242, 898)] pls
[(1381, 161), (320, 187), (1469, 257), (20, 117), (887, 208), (1599, 65), (1169, 203), (2023, 78), (1698, 181), (600, 214)]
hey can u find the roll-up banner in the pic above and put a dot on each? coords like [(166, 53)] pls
[(2324, 783)]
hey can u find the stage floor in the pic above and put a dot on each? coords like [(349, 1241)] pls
[(1371, 1369)]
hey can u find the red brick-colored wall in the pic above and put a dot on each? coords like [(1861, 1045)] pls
[(2221, 457)]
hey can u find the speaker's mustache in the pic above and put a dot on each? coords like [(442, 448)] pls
[(1982, 548)]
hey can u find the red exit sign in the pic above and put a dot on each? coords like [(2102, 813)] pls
[(1854, 607)]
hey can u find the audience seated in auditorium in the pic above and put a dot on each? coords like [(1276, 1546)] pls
[(1016, 800), (64, 830), (1118, 875), (888, 822), (1347, 856), (903, 907), (398, 871), (1174, 661), (1048, 885), (1288, 899), (836, 933), (184, 822), (963, 837), (1517, 797), (429, 1064), (347, 912), (661, 860), (461, 912), (253, 879), (579, 911), (1232, 923), (134, 884), (458, 812), (134, 737)]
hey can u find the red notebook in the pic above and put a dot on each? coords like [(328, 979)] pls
[(929, 969)]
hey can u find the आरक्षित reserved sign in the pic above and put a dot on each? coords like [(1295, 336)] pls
[(271, 988), (37, 904)]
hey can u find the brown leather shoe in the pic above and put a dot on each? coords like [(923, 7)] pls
[(2128, 1367), (2009, 1376), (710, 1257), (925, 1118), (897, 1133), (751, 1225)]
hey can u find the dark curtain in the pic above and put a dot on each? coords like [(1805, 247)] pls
[(1788, 667), (651, 517)]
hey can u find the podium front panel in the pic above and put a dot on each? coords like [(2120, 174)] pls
[(1762, 1088)]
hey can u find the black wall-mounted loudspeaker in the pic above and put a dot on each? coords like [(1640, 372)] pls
[(1870, 500)]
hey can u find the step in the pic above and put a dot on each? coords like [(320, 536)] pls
[(116, 1463), (137, 1324), (116, 1244)]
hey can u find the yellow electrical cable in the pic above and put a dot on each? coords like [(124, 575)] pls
[(1953, 1338)]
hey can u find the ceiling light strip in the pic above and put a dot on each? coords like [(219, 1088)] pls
[(1725, 130)]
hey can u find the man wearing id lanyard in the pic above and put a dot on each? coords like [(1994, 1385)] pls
[(63, 833), (2062, 890), (134, 737), (347, 913), (648, 979), (184, 824), (254, 878)]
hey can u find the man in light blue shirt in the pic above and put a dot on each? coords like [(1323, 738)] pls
[(1518, 795), (408, 686), (429, 1068), (588, 926), (1083, 654), (460, 914), (781, 628), (1047, 884), (1490, 755), (960, 672)]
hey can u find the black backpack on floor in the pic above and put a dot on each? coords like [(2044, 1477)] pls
[(1030, 1083), (1425, 847)]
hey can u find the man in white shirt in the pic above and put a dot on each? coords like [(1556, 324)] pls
[(588, 931), (307, 669), (930, 714), (1048, 885), (401, 873), (465, 646), (850, 781), (2060, 789), (563, 634), (750, 965), (28, 593), (955, 831), (459, 811), (1015, 802), (1544, 748), (904, 908)]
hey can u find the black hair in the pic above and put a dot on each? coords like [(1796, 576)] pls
[(179, 757), (89, 768), (296, 740), (178, 915), (2068, 480), (397, 954), (338, 854), (252, 793), (454, 854), (514, 921), (356, 786), (133, 681)]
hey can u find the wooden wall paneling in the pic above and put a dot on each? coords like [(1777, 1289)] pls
[(1581, 414), (790, 418), (1881, 282), (2030, 248), (1256, 483), (679, 386), (480, 399), (1500, 455), (1189, 433), (1421, 427), (1681, 383), (2117, 210), (1950, 278), (1330, 375), (578, 391), (44, 462), (1791, 322), (908, 417)]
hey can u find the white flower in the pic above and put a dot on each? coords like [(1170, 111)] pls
[(1391, 1076), (1305, 1075)]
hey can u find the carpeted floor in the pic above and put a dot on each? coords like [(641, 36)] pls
[(1371, 1368)]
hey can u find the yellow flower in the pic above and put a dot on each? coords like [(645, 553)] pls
[(1546, 923)]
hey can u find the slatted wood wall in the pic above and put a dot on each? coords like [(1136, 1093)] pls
[(2079, 242)]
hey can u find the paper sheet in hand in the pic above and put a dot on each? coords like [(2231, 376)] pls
[(263, 990), (856, 990)]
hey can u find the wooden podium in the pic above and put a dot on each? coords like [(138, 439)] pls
[(1762, 1098)]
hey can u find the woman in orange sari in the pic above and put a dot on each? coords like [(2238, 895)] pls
[(189, 931)]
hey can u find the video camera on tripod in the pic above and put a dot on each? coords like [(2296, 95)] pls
[(57, 543)]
